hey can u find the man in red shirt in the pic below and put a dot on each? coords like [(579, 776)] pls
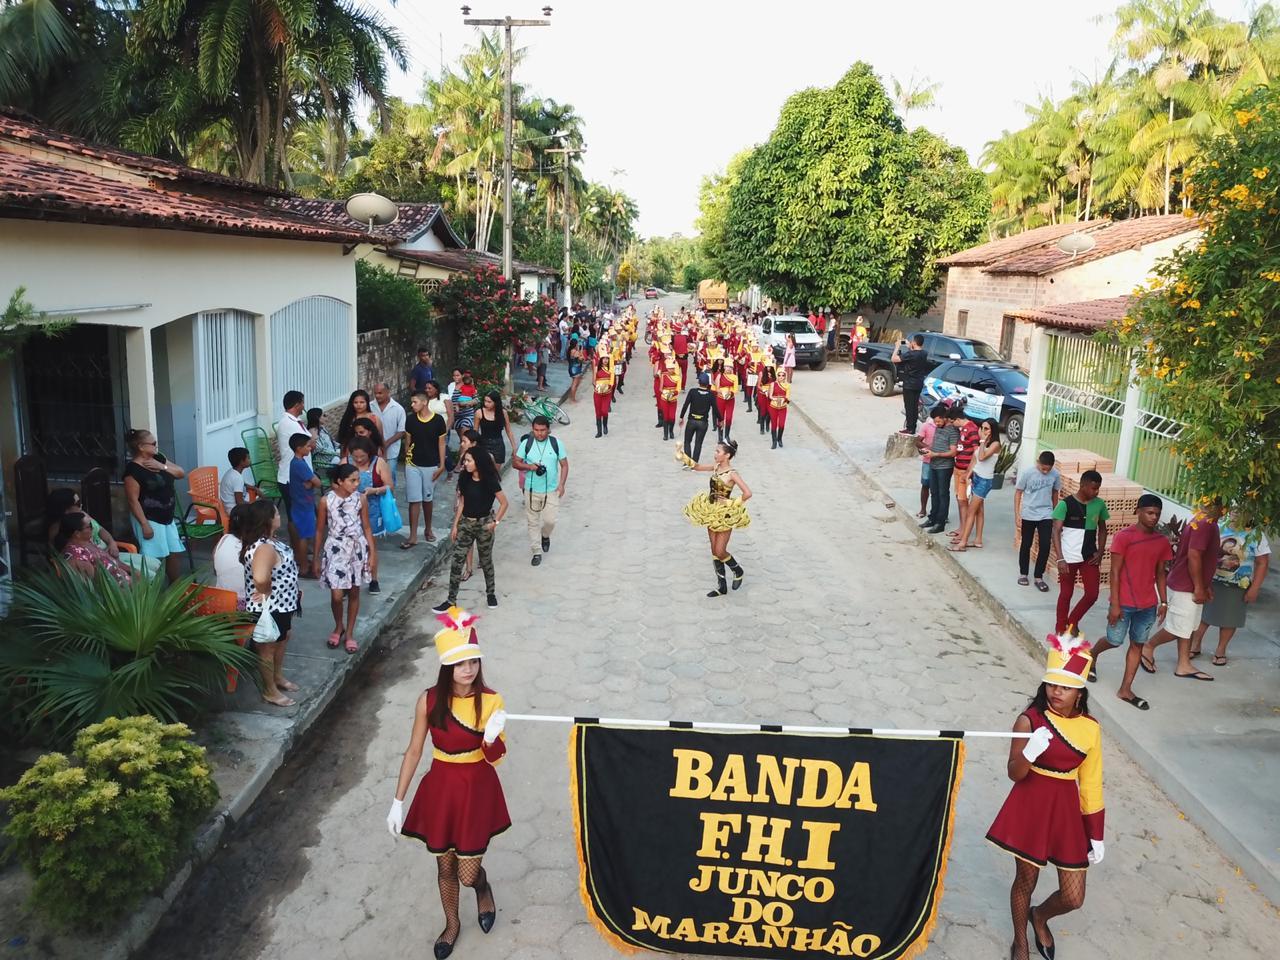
[(1138, 592), (1190, 579)]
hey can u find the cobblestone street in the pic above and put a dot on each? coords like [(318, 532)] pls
[(615, 622)]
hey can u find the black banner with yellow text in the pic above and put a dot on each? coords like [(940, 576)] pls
[(763, 844)]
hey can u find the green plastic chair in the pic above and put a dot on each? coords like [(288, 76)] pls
[(262, 461)]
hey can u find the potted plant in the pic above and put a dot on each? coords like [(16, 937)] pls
[(1005, 459)]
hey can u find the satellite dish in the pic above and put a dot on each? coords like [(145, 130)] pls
[(372, 209), (1077, 243)]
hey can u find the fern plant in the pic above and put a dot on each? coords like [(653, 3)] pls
[(80, 650)]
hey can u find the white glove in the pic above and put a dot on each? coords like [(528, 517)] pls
[(1097, 851), (497, 720), (1037, 743), (395, 819)]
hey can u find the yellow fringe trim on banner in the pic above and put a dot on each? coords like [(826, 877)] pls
[(610, 937), (921, 943)]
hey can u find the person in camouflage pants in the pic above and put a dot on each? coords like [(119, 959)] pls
[(479, 532), (475, 521)]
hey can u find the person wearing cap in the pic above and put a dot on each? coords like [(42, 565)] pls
[(779, 396), (725, 384), (719, 512), (603, 391), (670, 383), (459, 805), (1054, 814), (700, 408)]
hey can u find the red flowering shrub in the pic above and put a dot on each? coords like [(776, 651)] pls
[(489, 318)]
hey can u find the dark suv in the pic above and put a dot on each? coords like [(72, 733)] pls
[(995, 390), (876, 359)]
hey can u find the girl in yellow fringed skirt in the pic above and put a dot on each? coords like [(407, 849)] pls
[(719, 511)]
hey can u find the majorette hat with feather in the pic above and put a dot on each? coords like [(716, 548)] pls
[(457, 641), (1069, 659)]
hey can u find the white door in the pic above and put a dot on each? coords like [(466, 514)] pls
[(226, 383), (312, 343)]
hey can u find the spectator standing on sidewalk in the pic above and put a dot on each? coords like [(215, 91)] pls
[(544, 466), (1080, 537), (965, 448), (1246, 555), (1138, 592), (290, 423), (393, 417), (924, 440), (1034, 498), (344, 541), (422, 373), (913, 366), (423, 464), (942, 463), (1190, 588), (981, 479)]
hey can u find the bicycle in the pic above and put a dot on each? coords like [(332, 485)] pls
[(529, 407)]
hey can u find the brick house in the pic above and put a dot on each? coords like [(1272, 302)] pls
[(989, 284)]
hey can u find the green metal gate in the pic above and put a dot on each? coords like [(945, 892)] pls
[(1084, 395)]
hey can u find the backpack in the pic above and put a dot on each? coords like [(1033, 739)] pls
[(526, 444)]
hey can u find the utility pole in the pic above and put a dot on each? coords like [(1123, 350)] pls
[(564, 216), (508, 121)]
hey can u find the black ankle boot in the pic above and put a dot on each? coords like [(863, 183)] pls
[(606, 426), (599, 426), (774, 435), (780, 429), (738, 572), (722, 587)]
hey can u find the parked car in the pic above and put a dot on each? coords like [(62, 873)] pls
[(651, 293), (810, 347), (876, 359), (989, 389)]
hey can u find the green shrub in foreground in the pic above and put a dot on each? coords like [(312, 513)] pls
[(100, 830)]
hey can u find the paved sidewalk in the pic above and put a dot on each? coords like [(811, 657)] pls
[(1213, 748)]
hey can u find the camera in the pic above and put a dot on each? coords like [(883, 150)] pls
[(540, 471)]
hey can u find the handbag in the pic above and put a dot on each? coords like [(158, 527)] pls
[(266, 630), (390, 510)]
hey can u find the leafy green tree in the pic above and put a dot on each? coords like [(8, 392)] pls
[(1204, 333), (840, 205), (713, 213), (384, 300), (691, 276), (20, 321)]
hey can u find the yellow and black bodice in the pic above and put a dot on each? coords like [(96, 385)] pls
[(717, 509)]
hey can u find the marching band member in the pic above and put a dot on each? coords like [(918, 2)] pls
[(458, 807), (1054, 813), (669, 385), (725, 385), (719, 511), (603, 390), (779, 399), (766, 373)]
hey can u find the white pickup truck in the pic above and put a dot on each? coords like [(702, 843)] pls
[(810, 347)]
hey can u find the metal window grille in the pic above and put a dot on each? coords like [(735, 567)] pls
[(228, 383)]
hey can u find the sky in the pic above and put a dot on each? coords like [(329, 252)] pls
[(669, 91)]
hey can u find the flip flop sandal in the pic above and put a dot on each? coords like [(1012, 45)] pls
[(956, 548), (335, 638), (1219, 661), (1137, 701), (1198, 675), (1023, 581), (1042, 586), (1147, 664), (408, 545), (351, 646), (1194, 654), (1093, 675)]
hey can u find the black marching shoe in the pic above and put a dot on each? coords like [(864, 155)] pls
[(443, 947), (599, 427), (780, 429), (660, 423), (738, 572), (722, 587), (486, 917), (605, 421), (1046, 951), (774, 435)]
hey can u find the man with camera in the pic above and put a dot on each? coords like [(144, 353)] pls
[(544, 470), (913, 367)]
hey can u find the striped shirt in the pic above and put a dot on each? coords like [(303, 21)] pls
[(967, 445)]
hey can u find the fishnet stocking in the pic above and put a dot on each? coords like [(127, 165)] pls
[(447, 867), (1024, 883), (1069, 895), (472, 874)]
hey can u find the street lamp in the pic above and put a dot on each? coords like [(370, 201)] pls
[(507, 120)]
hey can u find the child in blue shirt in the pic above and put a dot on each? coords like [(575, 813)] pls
[(302, 502)]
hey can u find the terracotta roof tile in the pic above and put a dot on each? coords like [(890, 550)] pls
[(986, 253), (414, 217), (34, 188), (458, 260), (1111, 237), (1086, 316), (20, 128)]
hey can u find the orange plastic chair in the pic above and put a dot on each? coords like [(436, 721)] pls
[(202, 489), (126, 547), (206, 600)]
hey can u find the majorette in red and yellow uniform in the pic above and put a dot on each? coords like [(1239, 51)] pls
[(779, 399), (603, 384), (725, 386), (1052, 814)]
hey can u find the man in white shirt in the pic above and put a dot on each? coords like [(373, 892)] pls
[(289, 424), (564, 336), (393, 418)]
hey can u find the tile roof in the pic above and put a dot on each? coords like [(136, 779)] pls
[(20, 128), (413, 219), (458, 260), (987, 253), (1086, 316), (1112, 237), (39, 188)]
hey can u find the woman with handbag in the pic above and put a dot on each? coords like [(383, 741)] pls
[(377, 485), (271, 591), (343, 541)]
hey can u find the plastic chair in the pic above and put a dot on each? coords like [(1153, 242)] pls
[(262, 461), (205, 515), (31, 487), (209, 600)]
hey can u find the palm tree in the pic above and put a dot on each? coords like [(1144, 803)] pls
[(914, 95)]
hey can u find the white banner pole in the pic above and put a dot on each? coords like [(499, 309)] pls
[(765, 727)]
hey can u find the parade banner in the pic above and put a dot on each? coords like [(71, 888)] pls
[(762, 844)]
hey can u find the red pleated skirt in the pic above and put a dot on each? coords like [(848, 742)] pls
[(458, 807), (1041, 823)]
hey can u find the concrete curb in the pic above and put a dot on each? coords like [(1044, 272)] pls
[(1231, 847)]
